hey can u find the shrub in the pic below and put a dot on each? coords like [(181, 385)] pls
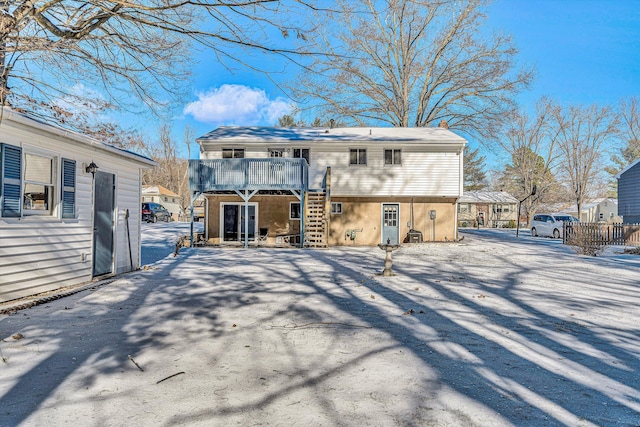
[(586, 240)]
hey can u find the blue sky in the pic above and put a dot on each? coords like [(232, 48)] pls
[(584, 52)]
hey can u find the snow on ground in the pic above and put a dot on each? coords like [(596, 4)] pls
[(491, 331), (159, 239)]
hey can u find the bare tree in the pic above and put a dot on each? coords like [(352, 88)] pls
[(531, 146), (413, 63), (583, 134), (171, 171), (61, 52), (629, 114)]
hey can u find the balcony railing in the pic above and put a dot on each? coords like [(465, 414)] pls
[(248, 174)]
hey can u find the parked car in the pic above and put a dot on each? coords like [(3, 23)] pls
[(154, 212), (550, 225)]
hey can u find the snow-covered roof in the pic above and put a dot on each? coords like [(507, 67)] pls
[(487, 197), (258, 134)]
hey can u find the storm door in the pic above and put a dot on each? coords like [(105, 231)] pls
[(390, 223), (233, 223), (103, 222)]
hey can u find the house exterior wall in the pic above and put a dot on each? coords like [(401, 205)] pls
[(603, 211), (365, 214), (629, 195), (273, 213), (424, 171), (43, 253), (358, 213)]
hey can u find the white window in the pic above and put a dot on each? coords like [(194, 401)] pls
[(336, 208), (276, 152), (463, 208), (294, 210), (393, 156), (302, 153), (38, 190), (358, 156), (233, 153)]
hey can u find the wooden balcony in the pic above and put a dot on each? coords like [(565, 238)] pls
[(248, 174)]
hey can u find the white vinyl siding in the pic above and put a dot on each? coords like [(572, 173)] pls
[(423, 173), (39, 254)]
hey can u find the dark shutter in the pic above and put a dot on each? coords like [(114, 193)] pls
[(68, 188), (10, 183)]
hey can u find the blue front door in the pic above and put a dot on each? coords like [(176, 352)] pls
[(390, 224), (103, 222)]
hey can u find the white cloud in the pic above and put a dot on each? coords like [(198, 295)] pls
[(237, 104)]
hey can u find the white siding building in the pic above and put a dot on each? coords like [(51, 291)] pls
[(60, 224)]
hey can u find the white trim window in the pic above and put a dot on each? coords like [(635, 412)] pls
[(336, 208), (276, 152), (233, 153), (294, 210), (392, 156), (38, 189), (302, 153), (357, 156)]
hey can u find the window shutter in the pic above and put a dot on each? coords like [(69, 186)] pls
[(10, 183), (68, 188)]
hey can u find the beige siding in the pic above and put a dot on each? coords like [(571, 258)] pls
[(39, 254)]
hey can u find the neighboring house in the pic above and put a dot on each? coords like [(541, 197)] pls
[(629, 193), (319, 186), (167, 198), (594, 210), (487, 209), (61, 224)]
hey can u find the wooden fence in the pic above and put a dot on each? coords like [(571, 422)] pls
[(603, 234)]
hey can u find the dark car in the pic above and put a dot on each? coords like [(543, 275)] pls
[(154, 212)]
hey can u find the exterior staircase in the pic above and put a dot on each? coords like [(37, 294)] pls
[(315, 226)]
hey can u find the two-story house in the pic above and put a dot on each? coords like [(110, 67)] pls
[(320, 187)]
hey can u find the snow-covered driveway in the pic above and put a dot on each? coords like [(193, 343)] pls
[(491, 331)]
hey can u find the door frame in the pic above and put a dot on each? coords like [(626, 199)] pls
[(382, 221), (241, 205)]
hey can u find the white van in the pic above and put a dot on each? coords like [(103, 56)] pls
[(549, 225)]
